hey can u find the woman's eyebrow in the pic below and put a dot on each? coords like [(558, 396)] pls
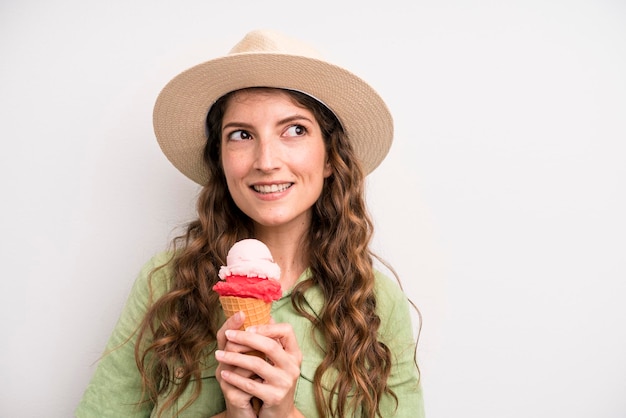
[(237, 125), (294, 118)]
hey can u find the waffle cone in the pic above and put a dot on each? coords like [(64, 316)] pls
[(257, 310)]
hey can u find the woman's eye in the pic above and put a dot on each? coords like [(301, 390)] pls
[(296, 130), (238, 135)]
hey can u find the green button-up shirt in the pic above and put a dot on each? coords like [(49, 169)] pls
[(115, 388)]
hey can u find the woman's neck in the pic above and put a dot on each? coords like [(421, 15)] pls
[(287, 250)]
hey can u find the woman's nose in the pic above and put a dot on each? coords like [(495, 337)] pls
[(268, 156)]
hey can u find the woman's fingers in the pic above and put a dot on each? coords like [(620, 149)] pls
[(283, 334), (241, 363), (236, 399), (277, 376), (278, 339), (234, 322)]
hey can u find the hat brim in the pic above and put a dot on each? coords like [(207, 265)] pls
[(181, 108)]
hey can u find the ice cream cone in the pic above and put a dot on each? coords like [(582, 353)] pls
[(257, 311)]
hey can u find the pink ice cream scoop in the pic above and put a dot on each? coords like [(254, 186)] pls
[(250, 272)]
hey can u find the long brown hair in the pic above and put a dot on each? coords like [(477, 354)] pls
[(180, 328)]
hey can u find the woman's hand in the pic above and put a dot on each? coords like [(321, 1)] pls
[(244, 376), (237, 401)]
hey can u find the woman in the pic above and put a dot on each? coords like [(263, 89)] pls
[(281, 141)]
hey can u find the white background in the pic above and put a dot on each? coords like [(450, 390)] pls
[(501, 203)]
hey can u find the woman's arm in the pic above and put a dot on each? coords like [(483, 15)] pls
[(115, 389), (397, 333)]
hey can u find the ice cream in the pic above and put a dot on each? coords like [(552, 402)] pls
[(249, 282)]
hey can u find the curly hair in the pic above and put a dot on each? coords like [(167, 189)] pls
[(180, 327)]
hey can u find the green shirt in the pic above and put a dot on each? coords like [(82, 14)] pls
[(115, 388)]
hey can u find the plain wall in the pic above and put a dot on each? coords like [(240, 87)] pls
[(500, 204)]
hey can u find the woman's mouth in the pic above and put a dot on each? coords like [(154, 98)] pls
[(271, 188)]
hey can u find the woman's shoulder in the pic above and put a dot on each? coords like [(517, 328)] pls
[(387, 288), (159, 259), (392, 303), (155, 275), (397, 326)]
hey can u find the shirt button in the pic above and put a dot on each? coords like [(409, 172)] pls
[(179, 372)]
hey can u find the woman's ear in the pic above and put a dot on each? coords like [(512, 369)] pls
[(328, 169)]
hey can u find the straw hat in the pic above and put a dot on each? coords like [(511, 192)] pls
[(267, 59)]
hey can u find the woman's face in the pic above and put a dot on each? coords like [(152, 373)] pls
[(273, 156)]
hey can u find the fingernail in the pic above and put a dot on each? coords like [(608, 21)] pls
[(219, 354), (229, 334), (251, 329)]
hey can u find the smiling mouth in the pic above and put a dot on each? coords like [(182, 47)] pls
[(271, 188)]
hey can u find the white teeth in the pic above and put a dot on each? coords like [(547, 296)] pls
[(273, 188)]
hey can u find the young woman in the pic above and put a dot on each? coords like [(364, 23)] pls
[(281, 141)]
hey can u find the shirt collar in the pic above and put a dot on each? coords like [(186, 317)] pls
[(313, 296)]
